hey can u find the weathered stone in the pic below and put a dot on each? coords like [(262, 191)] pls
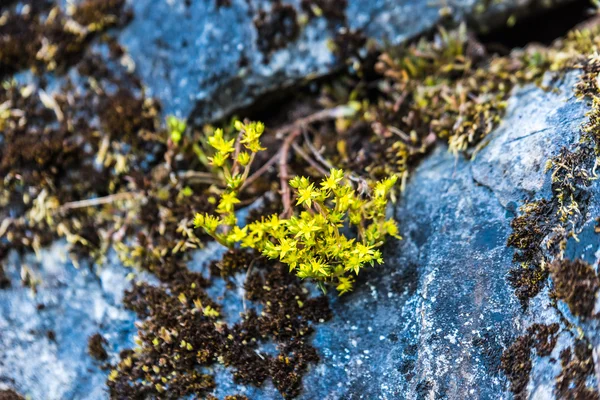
[(206, 60), (432, 322)]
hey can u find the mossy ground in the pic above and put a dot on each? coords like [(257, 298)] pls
[(97, 166)]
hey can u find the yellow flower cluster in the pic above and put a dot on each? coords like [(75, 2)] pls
[(334, 231)]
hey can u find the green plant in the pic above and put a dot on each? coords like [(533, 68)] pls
[(176, 128), (334, 230)]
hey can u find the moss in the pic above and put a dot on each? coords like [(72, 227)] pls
[(529, 231), (452, 89), (43, 39), (223, 3), (577, 368), (125, 114), (331, 9), (100, 14), (576, 283), (540, 233), (233, 261), (527, 282), (9, 394), (96, 347), (177, 336), (276, 27), (516, 359), (4, 281)]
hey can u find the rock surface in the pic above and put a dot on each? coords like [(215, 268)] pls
[(204, 60), (431, 323)]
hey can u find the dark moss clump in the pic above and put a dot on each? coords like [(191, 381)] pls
[(54, 154), (98, 14), (577, 367), (516, 365), (347, 44), (276, 28), (330, 9), (51, 335), (126, 114), (183, 330), (233, 261), (223, 3), (9, 394), (529, 230), (516, 360), (96, 347), (527, 282), (17, 43), (288, 368), (576, 283), (47, 39), (173, 337), (4, 281)]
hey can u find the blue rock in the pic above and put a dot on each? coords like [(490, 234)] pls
[(204, 61), (430, 323)]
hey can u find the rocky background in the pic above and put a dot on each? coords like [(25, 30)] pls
[(440, 320)]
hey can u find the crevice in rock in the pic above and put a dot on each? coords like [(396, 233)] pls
[(527, 135), (487, 187), (543, 27)]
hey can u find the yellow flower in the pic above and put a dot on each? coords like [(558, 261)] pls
[(345, 284), (237, 235), (243, 159), (218, 160), (210, 312), (222, 146), (313, 241), (227, 203), (335, 176), (306, 195), (198, 220)]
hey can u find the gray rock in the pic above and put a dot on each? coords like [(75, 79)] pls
[(431, 323), (434, 321), (204, 61), (44, 350)]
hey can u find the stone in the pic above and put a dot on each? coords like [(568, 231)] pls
[(432, 322), (207, 58)]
